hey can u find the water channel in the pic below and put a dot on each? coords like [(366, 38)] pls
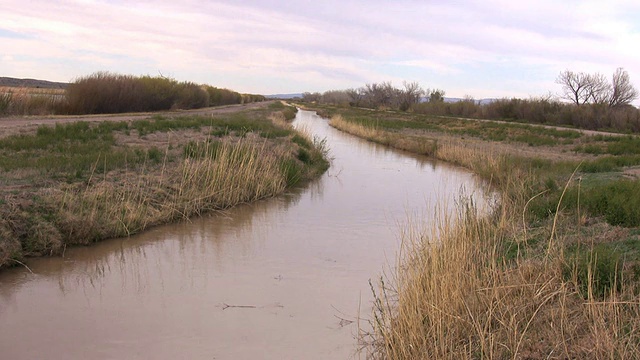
[(277, 279)]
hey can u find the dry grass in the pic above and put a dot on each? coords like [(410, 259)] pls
[(30, 101), (237, 173), (454, 296), (162, 178), (460, 291), (415, 144), (31, 91)]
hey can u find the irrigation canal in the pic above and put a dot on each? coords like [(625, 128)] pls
[(283, 278)]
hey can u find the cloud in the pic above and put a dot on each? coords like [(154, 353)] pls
[(316, 46)]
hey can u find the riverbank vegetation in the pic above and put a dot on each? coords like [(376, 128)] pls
[(107, 93), (77, 183), (553, 271)]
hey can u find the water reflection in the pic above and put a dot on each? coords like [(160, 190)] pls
[(271, 279)]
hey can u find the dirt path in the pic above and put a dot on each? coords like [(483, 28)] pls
[(582, 131), (25, 124)]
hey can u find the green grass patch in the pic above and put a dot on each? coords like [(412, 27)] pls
[(612, 145), (627, 145), (597, 270), (76, 149), (67, 150), (618, 201), (164, 124), (301, 141), (610, 163), (292, 171)]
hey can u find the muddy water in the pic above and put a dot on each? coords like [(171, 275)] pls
[(278, 279)]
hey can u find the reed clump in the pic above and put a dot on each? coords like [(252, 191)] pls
[(223, 175), (456, 296), (31, 101)]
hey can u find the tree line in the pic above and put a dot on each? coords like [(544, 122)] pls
[(378, 96), (587, 101)]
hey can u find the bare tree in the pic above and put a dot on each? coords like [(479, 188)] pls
[(355, 96), (621, 91), (411, 95), (581, 88), (379, 95), (337, 97), (598, 89)]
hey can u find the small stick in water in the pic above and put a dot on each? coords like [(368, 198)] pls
[(225, 306)]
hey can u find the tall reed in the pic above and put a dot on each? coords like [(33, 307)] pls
[(221, 175), (28, 101), (455, 296)]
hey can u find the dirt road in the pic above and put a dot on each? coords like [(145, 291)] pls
[(25, 124)]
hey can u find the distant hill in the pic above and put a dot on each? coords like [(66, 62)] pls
[(32, 83), (284, 96)]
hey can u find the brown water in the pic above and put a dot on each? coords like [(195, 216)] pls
[(278, 279)]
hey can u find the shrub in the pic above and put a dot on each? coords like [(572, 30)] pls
[(191, 96), (105, 92), (219, 97)]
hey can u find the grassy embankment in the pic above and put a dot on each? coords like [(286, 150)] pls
[(81, 182), (552, 272)]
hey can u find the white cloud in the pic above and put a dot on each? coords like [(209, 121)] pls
[(318, 46)]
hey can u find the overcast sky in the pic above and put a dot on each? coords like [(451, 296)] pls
[(479, 48)]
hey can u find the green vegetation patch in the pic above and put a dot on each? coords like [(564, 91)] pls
[(617, 201), (77, 149), (67, 149), (626, 146), (596, 271)]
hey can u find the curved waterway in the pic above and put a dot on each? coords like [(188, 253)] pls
[(278, 279)]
